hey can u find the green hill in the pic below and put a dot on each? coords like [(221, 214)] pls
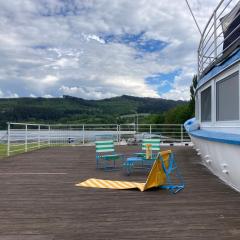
[(76, 110)]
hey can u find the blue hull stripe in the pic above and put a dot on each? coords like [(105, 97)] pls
[(229, 138)]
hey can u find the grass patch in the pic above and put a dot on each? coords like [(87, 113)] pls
[(3, 150), (14, 150), (18, 149)]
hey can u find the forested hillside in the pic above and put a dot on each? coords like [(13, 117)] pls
[(76, 110)]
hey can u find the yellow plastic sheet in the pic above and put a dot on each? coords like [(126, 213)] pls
[(155, 178)]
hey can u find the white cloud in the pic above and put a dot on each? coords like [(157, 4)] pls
[(86, 92), (93, 37), (114, 86), (49, 80), (48, 96), (8, 94)]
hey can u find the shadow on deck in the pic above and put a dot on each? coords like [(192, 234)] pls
[(39, 201)]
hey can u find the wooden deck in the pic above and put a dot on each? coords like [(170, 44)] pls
[(40, 202)]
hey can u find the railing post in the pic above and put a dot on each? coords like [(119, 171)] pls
[(215, 35), (137, 126), (150, 130), (181, 133), (118, 134), (49, 129), (39, 129), (83, 134), (8, 139), (26, 138)]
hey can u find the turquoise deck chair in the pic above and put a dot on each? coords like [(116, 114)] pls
[(139, 160), (105, 151)]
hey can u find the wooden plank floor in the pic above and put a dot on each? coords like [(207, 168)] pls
[(40, 202)]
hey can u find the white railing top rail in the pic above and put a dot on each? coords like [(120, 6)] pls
[(28, 124), (98, 124), (213, 43)]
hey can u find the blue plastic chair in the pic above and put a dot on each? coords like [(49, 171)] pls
[(139, 161)]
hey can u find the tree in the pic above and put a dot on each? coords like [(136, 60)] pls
[(178, 115), (193, 92)]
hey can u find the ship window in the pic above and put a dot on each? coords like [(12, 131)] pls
[(228, 98), (206, 105)]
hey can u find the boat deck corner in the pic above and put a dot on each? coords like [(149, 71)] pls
[(39, 200)]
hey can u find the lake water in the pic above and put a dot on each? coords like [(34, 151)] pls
[(63, 135)]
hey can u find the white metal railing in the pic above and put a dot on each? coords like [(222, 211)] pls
[(211, 46), (22, 137)]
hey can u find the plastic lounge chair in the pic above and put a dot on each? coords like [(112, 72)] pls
[(103, 147), (161, 174)]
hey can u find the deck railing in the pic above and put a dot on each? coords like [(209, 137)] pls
[(211, 46), (22, 137)]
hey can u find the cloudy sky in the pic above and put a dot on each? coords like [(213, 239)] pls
[(97, 49)]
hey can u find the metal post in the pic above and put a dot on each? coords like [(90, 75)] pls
[(69, 134), (8, 139), (83, 132), (49, 129), (26, 138), (215, 35), (150, 130), (137, 122), (118, 134), (181, 133), (39, 129)]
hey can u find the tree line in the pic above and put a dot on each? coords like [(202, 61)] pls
[(72, 110)]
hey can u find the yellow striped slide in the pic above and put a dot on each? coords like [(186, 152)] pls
[(155, 178)]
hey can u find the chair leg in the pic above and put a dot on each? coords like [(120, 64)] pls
[(173, 189), (97, 162), (108, 167), (105, 165), (127, 168)]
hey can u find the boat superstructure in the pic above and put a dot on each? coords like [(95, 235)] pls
[(215, 130)]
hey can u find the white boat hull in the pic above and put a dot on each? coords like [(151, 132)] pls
[(222, 159)]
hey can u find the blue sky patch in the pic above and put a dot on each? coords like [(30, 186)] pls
[(64, 9), (151, 45), (137, 41), (163, 81), (40, 47)]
